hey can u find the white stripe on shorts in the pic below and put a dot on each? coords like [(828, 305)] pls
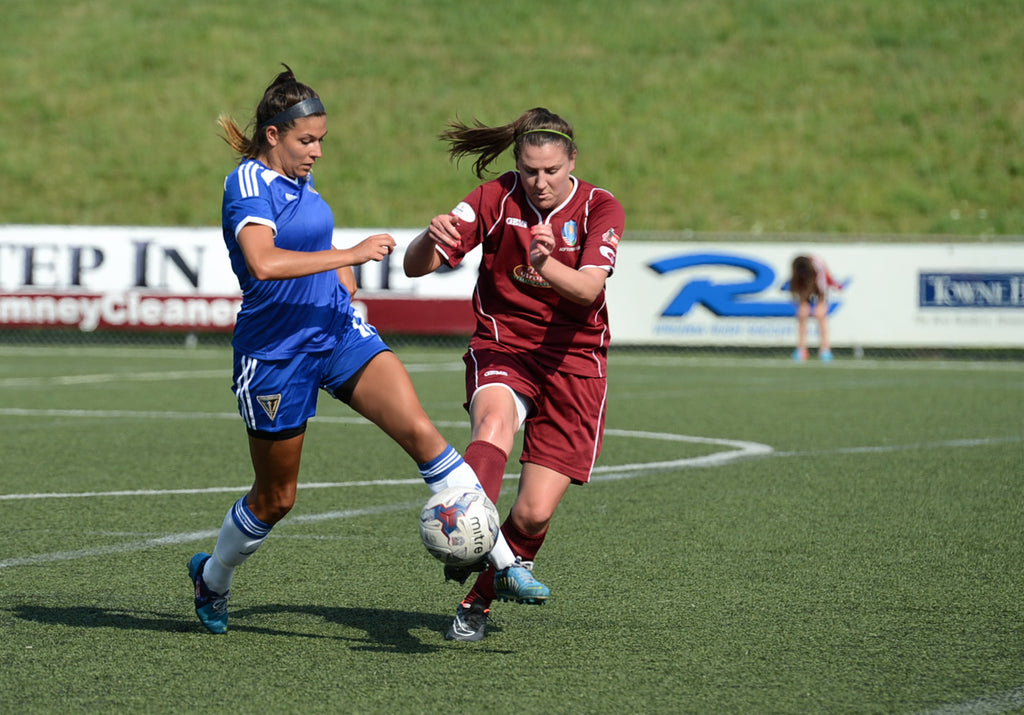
[(242, 390)]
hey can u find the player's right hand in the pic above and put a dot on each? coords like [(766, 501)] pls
[(373, 248), (444, 231)]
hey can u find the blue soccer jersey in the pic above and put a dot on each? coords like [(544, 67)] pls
[(281, 318)]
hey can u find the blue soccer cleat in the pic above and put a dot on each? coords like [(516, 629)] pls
[(211, 607), (516, 583), (825, 355)]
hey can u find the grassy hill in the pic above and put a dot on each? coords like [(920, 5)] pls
[(874, 116)]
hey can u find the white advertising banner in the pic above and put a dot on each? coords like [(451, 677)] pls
[(894, 295), (116, 278), (676, 293)]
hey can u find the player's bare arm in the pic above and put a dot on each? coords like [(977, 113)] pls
[(266, 261), (373, 248), (421, 257), (581, 286), (347, 277)]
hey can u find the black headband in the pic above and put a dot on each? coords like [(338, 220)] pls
[(313, 105)]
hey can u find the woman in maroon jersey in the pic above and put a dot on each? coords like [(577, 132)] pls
[(539, 351)]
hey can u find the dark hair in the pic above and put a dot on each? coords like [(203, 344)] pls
[(803, 281), (534, 127), (284, 92)]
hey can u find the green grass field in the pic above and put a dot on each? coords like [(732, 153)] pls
[(747, 116), (760, 537)]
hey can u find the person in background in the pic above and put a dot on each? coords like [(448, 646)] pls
[(296, 332), (809, 284), (538, 355)]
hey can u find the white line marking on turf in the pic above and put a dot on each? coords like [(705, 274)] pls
[(119, 414), (994, 704), (155, 376), (158, 415), (112, 377), (737, 449), (979, 442), (203, 490), (121, 548), (190, 536)]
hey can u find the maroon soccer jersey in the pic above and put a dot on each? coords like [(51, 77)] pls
[(514, 305)]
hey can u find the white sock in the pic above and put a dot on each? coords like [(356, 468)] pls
[(501, 555), (240, 535), (448, 469)]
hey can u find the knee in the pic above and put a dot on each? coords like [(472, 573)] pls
[(530, 519), (495, 427)]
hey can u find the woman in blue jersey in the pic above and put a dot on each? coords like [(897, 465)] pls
[(296, 332)]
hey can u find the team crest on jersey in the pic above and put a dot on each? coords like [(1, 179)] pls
[(527, 275), (569, 234), (269, 403), (611, 237)]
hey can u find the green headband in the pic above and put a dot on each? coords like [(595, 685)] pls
[(548, 131)]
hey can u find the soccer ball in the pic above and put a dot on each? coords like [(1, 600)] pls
[(459, 526)]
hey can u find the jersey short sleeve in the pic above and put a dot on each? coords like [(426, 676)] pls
[(281, 318)]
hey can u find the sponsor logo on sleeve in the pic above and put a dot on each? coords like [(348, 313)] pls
[(464, 212), (611, 237)]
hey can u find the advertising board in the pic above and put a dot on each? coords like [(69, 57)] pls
[(700, 293)]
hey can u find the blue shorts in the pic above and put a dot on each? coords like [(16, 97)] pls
[(277, 397)]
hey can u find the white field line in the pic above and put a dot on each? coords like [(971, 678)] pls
[(58, 380), (222, 354), (992, 704), (160, 376), (976, 442), (987, 705), (736, 450), (190, 536), (204, 490)]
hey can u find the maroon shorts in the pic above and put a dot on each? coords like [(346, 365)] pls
[(564, 428)]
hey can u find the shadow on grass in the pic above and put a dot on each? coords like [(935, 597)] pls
[(386, 630)]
